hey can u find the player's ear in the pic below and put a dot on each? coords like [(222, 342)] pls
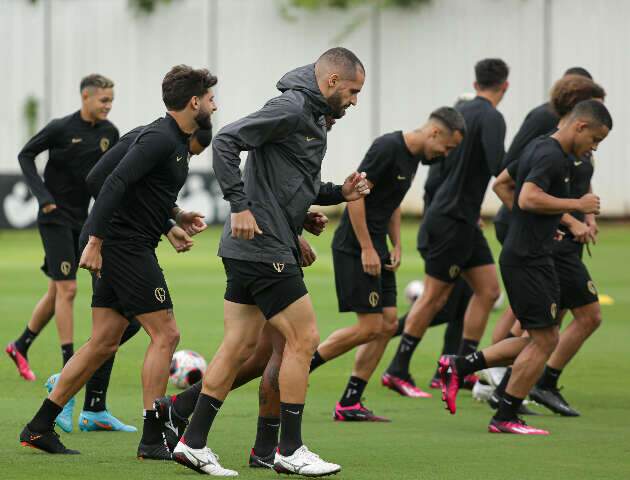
[(194, 103), (333, 80)]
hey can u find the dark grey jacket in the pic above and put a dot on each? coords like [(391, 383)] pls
[(286, 140)]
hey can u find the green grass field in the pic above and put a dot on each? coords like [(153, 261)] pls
[(422, 442)]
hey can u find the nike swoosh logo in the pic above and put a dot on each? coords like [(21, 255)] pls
[(77, 140), (99, 392), (273, 424), (179, 158), (104, 426), (308, 139), (35, 437), (577, 164), (294, 413), (400, 177)]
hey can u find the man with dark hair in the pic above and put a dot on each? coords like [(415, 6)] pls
[(540, 199), (454, 243), (583, 72), (286, 140), (364, 267), (123, 230), (75, 143)]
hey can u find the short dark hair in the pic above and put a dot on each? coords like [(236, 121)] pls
[(578, 71), (450, 118), (570, 90), (594, 110), (95, 80), (343, 59), (491, 72), (182, 83)]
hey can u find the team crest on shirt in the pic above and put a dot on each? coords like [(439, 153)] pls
[(373, 298), (160, 294), (278, 267), (554, 310), (454, 271), (591, 287), (104, 144), (65, 268)]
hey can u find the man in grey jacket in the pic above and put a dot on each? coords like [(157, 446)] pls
[(286, 141)]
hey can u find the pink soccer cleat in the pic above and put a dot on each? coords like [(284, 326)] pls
[(516, 426), (450, 382), (405, 387), (356, 413), (20, 362)]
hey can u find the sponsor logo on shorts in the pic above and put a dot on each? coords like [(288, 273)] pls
[(454, 271), (160, 294), (554, 310), (65, 268), (77, 140), (104, 144), (278, 267), (400, 177), (591, 287), (373, 298)]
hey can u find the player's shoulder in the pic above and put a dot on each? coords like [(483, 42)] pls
[(65, 122), (292, 103), (387, 140)]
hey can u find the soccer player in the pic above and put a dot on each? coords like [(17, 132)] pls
[(286, 141), (540, 199), (124, 228), (364, 266), (455, 244)]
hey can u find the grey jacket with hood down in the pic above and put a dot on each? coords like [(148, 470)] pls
[(286, 140)]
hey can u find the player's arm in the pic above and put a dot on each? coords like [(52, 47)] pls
[(353, 188), (42, 141), (590, 221), (369, 256), (393, 230), (504, 187), (493, 141), (275, 121)]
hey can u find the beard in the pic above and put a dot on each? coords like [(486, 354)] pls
[(203, 119), (336, 104)]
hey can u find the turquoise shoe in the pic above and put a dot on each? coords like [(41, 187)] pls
[(64, 419), (95, 421)]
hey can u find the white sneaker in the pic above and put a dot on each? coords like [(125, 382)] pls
[(481, 392), (304, 462), (202, 460), (493, 375)]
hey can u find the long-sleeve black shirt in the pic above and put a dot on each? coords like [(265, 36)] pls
[(74, 146)]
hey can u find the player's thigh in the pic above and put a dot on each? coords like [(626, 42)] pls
[(297, 323), (108, 326), (242, 323), (436, 291), (160, 324)]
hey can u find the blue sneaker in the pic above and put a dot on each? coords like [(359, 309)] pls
[(94, 421), (64, 419)]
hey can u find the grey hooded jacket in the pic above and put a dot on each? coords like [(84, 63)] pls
[(286, 140)]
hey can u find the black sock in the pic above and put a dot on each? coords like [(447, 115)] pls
[(400, 363), (500, 390), (549, 378), (266, 436), (24, 342), (196, 435), (467, 347), (184, 403), (352, 393), (67, 350), (508, 408), (291, 431), (96, 387), (44, 419), (152, 429), (470, 363), (401, 325), (316, 361)]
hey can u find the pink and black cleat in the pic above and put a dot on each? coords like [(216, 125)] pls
[(516, 426), (469, 381), (405, 387), (356, 413), (20, 362), (435, 383), (450, 382)]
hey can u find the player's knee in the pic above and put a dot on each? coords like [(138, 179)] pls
[(66, 290), (590, 322), (370, 331), (491, 293), (305, 344), (389, 327), (548, 342)]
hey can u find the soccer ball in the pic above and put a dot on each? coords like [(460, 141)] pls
[(413, 290), (187, 367)]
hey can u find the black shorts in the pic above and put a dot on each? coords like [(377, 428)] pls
[(272, 287), (453, 247), (61, 248), (131, 281), (501, 231), (576, 286), (534, 294), (359, 292)]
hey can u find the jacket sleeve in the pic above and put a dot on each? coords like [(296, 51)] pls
[(150, 150), (42, 141), (493, 141), (329, 194), (275, 121)]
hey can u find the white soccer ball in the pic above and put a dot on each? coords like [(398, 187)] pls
[(413, 290), (187, 367)]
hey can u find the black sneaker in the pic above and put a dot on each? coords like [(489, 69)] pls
[(46, 441), (173, 425), (158, 451), (261, 462), (553, 400)]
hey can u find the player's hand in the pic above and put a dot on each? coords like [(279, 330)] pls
[(355, 187), (580, 232), (592, 227), (589, 203), (244, 225), (191, 222), (371, 261), (91, 258), (558, 236), (180, 240), (315, 222), (49, 208), (308, 254), (394, 259)]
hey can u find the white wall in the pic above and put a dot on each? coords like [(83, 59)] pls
[(415, 61)]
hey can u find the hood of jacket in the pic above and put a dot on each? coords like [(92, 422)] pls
[(303, 80)]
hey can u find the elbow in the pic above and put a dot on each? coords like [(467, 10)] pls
[(526, 203)]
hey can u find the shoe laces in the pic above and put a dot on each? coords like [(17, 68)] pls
[(308, 455), (212, 455)]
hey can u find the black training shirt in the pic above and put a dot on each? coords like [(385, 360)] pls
[(530, 237), (475, 160), (74, 146), (391, 167), (138, 197)]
